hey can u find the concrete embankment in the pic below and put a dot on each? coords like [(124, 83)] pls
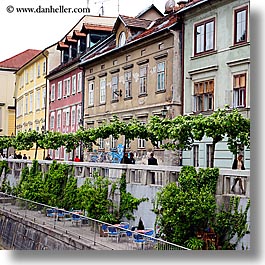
[(21, 234)]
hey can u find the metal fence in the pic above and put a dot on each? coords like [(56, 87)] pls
[(76, 225)]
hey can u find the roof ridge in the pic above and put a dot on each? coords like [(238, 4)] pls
[(18, 54)]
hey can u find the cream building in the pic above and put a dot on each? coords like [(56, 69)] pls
[(31, 94), (132, 77)]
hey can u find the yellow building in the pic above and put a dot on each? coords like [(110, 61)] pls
[(31, 95), (8, 68)]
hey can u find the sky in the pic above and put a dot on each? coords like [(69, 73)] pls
[(22, 31)]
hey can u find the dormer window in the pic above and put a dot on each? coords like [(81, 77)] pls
[(122, 39)]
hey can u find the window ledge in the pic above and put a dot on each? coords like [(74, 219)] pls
[(160, 91)]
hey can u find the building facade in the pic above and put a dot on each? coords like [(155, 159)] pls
[(66, 80), (8, 68), (216, 70), (136, 74), (31, 95)]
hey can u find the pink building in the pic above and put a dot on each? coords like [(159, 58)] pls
[(66, 81)]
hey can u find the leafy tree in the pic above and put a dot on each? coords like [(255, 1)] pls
[(31, 188), (71, 196), (54, 183), (231, 224), (5, 187), (188, 208), (94, 198), (128, 203)]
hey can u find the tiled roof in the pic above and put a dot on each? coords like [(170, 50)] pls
[(88, 26), (157, 26), (70, 39), (135, 22), (78, 34), (19, 60)]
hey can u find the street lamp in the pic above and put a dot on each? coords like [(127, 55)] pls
[(164, 112)]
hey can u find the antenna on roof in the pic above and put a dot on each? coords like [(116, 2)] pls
[(170, 5)]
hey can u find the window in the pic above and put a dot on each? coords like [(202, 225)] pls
[(203, 96), (79, 82), (73, 116), (59, 117), (57, 153), (241, 21), (239, 90), (67, 87), (78, 113), (27, 76), (196, 155), (122, 39), (91, 93), (52, 121), (44, 97), (102, 93), (31, 102), (113, 142), (26, 104), (38, 70), (101, 143), (52, 92), (161, 76), (209, 150), (141, 143), (44, 68), (128, 84), (67, 117), (204, 36), (114, 87), (38, 100), (59, 90), (143, 80), (73, 84)]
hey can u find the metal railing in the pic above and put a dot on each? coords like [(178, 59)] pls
[(83, 229)]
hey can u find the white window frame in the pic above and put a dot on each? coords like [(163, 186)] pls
[(59, 89), (128, 84), (73, 84), (161, 76), (73, 116), (91, 90), (79, 82), (114, 87), (102, 93), (52, 92), (143, 80), (59, 119), (52, 121), (30, 102), (38, 99)]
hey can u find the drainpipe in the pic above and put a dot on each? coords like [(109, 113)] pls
[(46, 95), (81, 122), (182, 67)]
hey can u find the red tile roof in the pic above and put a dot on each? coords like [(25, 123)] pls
[(19, 60), (88, 26)]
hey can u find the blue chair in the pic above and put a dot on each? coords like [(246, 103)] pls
[(113, 232), (124, 225), (104, 229), (76, 219), (139, 240), (50, 212), (60, 214)]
